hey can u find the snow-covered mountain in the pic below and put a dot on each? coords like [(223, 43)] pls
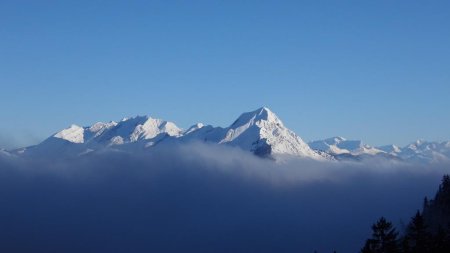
[(391, 149), (129, 130), (419, 151), (129, 133), (425, 152), (260, 132), (340, 145)]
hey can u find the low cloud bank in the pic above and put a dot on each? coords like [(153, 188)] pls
[(202, 198)]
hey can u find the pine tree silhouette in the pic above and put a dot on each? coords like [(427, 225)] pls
[(384, 238), (428, 232), (418, 238), (437, 211)]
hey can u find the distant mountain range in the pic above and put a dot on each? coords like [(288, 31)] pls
[(260, 132), (419, 151)]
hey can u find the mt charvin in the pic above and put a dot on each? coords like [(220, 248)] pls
[(260, 132)]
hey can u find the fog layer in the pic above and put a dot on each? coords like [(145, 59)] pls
[(202, 198)]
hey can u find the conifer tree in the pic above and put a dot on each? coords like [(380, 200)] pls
[(384, 238), (417, 237)]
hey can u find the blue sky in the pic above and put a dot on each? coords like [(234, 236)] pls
[(372, 70)]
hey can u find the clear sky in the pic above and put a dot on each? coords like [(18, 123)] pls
[(372, 70)]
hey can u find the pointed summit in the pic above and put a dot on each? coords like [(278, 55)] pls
[(263, 133), (259, 131), (260, 114)]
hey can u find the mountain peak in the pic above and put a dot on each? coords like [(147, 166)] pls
[(266, 114), (335, 140), (416, 145), (194, 128), (339, 145), (74, 134), (263, 133), (260, 114), (390, 149)]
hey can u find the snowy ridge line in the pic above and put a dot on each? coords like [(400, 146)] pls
[(260, 132)]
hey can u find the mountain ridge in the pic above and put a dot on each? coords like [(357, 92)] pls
[(259, 131)]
